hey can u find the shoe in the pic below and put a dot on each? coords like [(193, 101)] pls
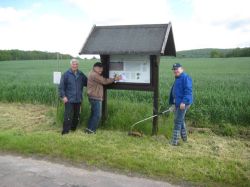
[(64, 132), (89, 131), (174, 144), (185, 141)]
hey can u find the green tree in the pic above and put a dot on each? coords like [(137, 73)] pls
[(216, 54)]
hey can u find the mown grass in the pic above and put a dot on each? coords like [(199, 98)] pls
[(206, 160)]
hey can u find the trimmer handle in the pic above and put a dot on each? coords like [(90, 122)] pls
[(163, 112)]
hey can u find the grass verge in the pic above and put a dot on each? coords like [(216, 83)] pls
[(206, 160)]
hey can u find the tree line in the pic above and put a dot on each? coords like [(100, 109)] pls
[(201, 53), (238, 52), (30, 55)]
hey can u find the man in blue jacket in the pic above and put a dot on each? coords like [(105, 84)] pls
[(70, 90), (181, 97)]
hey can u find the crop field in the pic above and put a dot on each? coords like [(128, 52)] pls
[(221, 91)]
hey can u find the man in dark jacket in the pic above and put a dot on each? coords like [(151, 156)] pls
[(181, 97), (70, 90)]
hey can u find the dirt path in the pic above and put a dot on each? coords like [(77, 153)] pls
[(27, 172)]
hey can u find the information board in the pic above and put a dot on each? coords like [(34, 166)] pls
[(132, 68)]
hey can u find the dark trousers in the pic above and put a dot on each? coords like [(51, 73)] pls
[(71, 116)]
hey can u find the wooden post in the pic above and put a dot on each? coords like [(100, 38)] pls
[(105, 62), (155, 80)]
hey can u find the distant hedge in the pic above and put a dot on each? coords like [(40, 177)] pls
[(238, 52), (30, 55)]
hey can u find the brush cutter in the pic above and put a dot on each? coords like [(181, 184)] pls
[(139, 134)]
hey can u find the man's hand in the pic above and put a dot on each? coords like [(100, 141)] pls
[(65, 100), (172, 108), (118, 77), (182, 106)]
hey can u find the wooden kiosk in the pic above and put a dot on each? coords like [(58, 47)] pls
[(132, 51)]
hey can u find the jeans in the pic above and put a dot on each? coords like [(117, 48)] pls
[(179, 125), (71, 117), (95, 116)]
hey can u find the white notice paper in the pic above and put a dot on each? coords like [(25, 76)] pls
[(56, 77), (131, 68)]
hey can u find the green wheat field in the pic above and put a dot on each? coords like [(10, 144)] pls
[(221, 88)]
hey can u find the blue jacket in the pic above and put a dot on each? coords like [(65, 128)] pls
[(181, 91), (71, 86)]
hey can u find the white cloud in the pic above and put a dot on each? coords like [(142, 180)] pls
[(212, 23), (220, 12), (25, 30), (10, 15), (125, 12)]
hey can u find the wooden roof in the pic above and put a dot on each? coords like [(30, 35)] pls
[(154, 39)]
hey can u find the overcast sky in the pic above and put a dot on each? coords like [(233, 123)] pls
[(63, 25)]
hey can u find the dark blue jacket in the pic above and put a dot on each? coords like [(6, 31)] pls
[(71, 86), (181, 91)]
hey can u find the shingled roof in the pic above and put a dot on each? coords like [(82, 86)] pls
[(154, 39)]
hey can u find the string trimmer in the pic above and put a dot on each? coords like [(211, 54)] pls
[(139, 134)]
